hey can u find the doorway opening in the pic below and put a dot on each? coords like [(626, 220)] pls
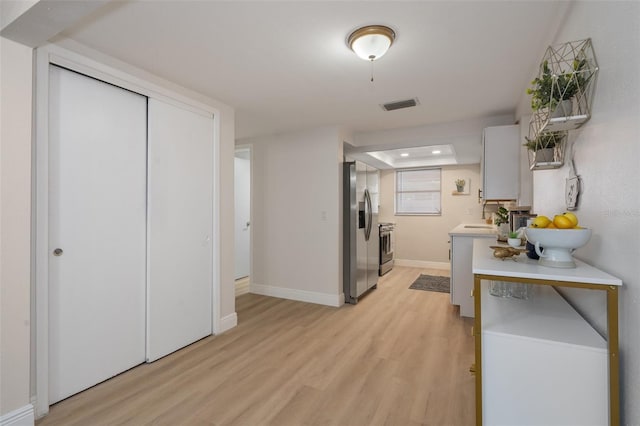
[(242, 191)]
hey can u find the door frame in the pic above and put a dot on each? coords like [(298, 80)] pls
[(249, 147), (43, 57)]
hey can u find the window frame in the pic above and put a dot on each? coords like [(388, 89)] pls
[(397, 193)]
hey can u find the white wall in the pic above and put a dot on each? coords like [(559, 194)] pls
[(525, 197), (297, 216), (607, 156), (15, 217), (424, 239)]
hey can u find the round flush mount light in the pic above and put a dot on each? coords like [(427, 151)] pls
[(371, 42)]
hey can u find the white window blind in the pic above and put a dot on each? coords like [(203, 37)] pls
[(418, 191)]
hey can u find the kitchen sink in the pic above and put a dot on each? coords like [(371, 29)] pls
[(479, 226)]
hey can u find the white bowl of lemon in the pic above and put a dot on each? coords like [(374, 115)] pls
[(555, 240)]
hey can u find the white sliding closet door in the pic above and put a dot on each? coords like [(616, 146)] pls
[(180, 219), (97, 231)]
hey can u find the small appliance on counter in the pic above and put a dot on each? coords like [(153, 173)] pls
[(386, 247), (518, 217)]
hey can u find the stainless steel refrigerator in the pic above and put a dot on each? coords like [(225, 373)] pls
[(361, 238)]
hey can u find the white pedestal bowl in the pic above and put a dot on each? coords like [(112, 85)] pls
[(555, 246)]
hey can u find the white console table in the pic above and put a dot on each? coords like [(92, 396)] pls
[(524, 340)]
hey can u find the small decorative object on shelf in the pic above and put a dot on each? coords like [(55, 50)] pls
[(561, 95), (462, 186), (546, 151), (502, 252)]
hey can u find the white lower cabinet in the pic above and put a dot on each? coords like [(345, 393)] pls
[(542, 363), (461, 272)]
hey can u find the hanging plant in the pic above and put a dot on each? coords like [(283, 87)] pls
[(544, 141), (550, 89)]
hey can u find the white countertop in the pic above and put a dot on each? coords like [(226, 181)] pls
[(485, 263), (474, 229)]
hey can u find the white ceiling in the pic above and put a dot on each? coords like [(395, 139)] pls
[(285, 66)]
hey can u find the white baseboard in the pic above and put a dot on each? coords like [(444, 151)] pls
[(228, 322), (446, 266), (334, 300), (23, 416)]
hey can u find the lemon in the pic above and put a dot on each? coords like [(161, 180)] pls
[(572, 217), (540, 222), (562, 222)]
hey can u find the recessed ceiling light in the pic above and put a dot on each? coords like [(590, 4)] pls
[(404, 154), (436, 151)]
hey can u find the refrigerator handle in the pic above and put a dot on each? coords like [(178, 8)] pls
[(368, 215)]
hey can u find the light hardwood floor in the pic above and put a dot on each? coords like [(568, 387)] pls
[(399, 357)]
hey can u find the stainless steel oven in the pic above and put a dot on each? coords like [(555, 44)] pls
[(386, 247)]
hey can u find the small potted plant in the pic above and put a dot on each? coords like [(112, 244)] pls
[(514, 240), (502, 220), (552, 89), (460, 185), (544, 146)]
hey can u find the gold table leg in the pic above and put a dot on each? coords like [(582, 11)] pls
[(614, 361), (477, 329)]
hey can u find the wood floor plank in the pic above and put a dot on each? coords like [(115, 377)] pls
[(399, 357)]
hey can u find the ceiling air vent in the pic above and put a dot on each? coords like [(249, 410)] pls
[(407, 103)]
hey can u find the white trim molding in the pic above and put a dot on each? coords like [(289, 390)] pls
[(23, 416), (227, 323), (335, 300), (446, 266)]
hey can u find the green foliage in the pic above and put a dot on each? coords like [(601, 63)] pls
[(550, 89), (543, 141), (502, 216), (513, 235)]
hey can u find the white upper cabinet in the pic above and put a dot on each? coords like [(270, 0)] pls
[(500, 164)]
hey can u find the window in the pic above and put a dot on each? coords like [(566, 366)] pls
[(418, 191)]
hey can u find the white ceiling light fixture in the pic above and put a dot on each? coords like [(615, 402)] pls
[(404, 154), (371, 42), (436, 151)]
